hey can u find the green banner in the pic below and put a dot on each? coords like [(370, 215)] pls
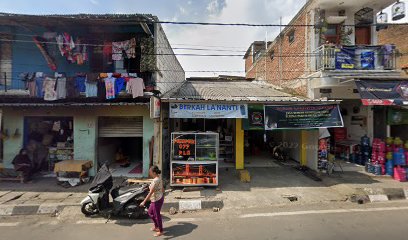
[(255, 120), (397, 116)]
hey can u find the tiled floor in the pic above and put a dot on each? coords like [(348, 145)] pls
[(118, 171)]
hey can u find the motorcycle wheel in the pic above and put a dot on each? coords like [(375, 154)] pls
[(89, 209)]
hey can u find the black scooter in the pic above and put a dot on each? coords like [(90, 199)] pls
[(125, 203)]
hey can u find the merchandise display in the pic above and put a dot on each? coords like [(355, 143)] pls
[(389, 157), (194, 158)]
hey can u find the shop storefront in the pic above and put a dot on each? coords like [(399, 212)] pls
[(86, 132), (203, 134)]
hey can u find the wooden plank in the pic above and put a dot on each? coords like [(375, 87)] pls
[(134, 180)]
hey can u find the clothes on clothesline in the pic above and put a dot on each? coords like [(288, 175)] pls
[(73, 51), (124, 49), (110, 87), (102, 85), (135, 86)]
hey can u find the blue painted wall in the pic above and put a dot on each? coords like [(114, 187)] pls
[(28, 58)]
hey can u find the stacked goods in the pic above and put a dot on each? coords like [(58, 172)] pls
[(364, 150), (389, 156), (399, 161), (378, 157)]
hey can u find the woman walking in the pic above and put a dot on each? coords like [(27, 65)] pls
[(156, 196)]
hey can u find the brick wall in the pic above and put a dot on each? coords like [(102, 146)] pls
[(397, 35), (291, 55), (171, 73)]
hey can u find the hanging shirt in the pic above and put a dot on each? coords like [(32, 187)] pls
[(91, 89), (61, 88), (50, 94), (39, 81), (80, 83), (135, 86), (119, 85), (110, 87)]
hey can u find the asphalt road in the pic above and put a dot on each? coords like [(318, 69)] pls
[(336, 221)]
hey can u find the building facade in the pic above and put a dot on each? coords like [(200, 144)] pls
[(79, 87), (324, 51)]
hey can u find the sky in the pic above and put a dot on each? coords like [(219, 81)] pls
[(231, 40)]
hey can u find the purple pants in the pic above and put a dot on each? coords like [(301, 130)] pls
[(154, 213)]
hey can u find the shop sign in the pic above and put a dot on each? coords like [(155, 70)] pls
[(203, 110), (302, 116), (375, 92), (154, 107), (255, 120), (397, 116), (344, 58), (184, 147)]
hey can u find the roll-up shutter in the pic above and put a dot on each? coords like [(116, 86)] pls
[(121, 127)]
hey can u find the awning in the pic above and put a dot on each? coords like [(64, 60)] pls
[(383, 92)]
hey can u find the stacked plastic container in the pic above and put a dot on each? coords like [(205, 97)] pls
[(399, 161), (378, 158), (364, 150)]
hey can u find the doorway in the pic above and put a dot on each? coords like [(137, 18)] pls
[(120, 144), (363, 35)]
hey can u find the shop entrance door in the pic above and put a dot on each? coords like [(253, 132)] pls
[(120, 144), (363, 36)]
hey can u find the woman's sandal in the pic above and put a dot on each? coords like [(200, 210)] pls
[(153, 229)]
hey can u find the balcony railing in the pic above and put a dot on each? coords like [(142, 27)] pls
[(334, 57)]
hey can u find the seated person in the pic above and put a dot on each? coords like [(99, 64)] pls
[(122, 159), (22, 163)]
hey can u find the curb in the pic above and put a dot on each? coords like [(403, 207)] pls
[(382, 195), (191, 205), (44, 209), (27, 209)]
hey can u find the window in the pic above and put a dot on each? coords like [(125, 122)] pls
[(272, 54), (291, 36), (5, 61)]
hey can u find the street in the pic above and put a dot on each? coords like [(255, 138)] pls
[(335, 221)]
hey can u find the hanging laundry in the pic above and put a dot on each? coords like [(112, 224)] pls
[(50, 94), (80, 83), (147, 57), (61, 87), (72, 91), (73, 51), (39, 81), (107, 49), (56, 126), (101, 89), (120, 85), (91, 89), (124, 49), (110, 86), (135, 86)]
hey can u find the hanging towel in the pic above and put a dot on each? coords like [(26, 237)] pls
[(127, 48)]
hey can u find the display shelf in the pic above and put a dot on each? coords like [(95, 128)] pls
[(194, 145)]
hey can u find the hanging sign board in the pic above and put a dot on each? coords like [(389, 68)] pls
[(344, 58), (204, 110), (255, 120), (376, 92), (154, 107), (302, 117)]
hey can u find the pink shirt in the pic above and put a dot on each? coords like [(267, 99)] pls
[(135, 86)]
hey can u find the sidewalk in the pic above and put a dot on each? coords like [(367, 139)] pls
[(276, 185)]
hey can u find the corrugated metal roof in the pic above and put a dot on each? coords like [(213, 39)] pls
[(219, 90), (70, 104), (148, 18)]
